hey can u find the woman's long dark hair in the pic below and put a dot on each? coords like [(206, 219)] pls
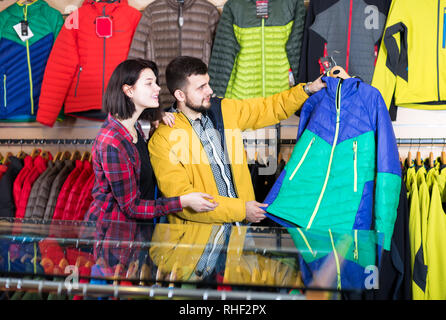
[(116, 102)]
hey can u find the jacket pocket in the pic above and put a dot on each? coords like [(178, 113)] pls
[(302, 159), (5, 97), (77, 81), (355, 166)]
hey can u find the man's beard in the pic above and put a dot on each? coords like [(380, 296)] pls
[(197, 108)]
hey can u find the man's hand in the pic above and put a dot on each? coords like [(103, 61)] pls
[(316, 85), (254, 212)]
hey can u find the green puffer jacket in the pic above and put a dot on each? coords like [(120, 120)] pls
[(251, 56)]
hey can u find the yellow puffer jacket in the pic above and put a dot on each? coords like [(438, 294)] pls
[(181, 166)]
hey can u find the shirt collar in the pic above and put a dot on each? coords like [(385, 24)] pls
[(123, 130)]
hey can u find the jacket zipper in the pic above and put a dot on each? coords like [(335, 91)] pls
[(335, 141), (302, 159), (444, 28), (180, 25), (349, 36), (77, 81), (263, 58), (103, 56), (4, 90), (25, 12), (355, 166)]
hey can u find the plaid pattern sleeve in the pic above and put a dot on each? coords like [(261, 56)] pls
[(122, 178)]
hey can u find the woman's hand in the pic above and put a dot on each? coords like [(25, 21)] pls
[(168, 119), (198, 202)]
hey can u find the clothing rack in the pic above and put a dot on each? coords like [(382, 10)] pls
[(420, 141), (45, 141), (117, 291)]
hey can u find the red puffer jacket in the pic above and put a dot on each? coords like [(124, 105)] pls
[(84, 56)]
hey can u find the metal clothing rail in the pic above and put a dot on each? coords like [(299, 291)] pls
[(61, 288), (420, 141)]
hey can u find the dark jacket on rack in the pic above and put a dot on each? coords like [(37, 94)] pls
[(35, 189), (347, 30), (44, 190), (251, 57), (169, 29), (58, 182), (7, 206)]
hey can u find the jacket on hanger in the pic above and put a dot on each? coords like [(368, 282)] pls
[(344, 172), (44, 190), (7, 205), (93, 41), (349, 31), (252, 56), (169, 29), (30, 205), (22, 63), (410, 68), (58, 182)]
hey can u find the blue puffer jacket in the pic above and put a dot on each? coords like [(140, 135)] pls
[(344, 172)]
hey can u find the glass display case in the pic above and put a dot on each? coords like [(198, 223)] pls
[(72, 259)]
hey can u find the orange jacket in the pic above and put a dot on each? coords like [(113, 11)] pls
[(81, 62)]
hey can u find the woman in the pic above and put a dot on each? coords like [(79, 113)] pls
[(122, 166)]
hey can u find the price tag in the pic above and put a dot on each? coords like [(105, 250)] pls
[(23, 30), (262, 9)]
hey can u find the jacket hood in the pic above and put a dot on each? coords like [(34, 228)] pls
[(174, 3), (103, 3), (17, 9), (349, 86)]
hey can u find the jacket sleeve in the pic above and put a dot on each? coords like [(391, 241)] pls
[(261, 112), (58, 76), (224, 52), (294, 44), (392, 57), (140, 46), (388, 177), (119, 172), (173, 180)]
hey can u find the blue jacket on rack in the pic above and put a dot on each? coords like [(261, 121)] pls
[(344, 172)]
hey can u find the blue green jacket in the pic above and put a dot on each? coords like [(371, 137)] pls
[(344, 172), (22, 63)]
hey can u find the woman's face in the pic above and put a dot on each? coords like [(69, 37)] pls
[(144, 93)]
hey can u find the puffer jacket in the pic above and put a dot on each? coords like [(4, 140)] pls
[(410, 68), (252, 57), (22, 63), (169, 29), (344, 172), (349, 31), (82, 62)]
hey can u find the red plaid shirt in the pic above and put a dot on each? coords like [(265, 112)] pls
[(117, 205)]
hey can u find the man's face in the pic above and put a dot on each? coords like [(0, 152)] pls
[(198, 92)]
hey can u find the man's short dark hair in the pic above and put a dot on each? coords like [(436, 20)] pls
[(115, 101), (180, 68)]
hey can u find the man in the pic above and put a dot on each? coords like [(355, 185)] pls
[(204, 152)]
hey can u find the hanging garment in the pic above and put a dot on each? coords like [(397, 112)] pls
[(18, 182), (344, 169), (35, 189), (94, 40), (75, 191), (413, 55), (65, 191), (44, 190), (22, 62), (252, 56), (39, 166), (435, 239), (171, 28), (7, 204), (57, 185), (85, 199), (349, 31)]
